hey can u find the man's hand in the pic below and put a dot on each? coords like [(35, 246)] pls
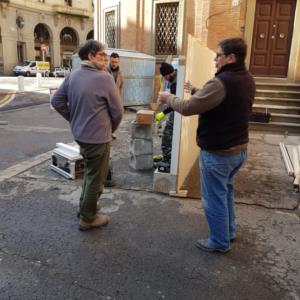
[(188, 87), (162, 97)]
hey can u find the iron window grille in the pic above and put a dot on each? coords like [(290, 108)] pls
[(110, 29), (68, 2), (166, 28)]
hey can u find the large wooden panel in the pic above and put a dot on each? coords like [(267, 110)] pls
[(199, 69)]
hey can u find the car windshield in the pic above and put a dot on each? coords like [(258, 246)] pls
[(25, 63)]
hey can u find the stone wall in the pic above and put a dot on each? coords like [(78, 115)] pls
[(39, 13)]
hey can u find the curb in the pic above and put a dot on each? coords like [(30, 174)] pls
[(24, 166)]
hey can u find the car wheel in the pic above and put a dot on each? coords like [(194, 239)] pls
[(27, 74)]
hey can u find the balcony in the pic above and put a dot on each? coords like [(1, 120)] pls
[(71, 11)]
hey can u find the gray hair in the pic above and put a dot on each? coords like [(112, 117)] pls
[(91, 46)]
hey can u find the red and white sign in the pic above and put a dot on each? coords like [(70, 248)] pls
[(43, 47)]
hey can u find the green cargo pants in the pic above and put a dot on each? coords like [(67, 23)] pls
[(96, 160)]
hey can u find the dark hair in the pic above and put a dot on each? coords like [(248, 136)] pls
[(166, 69), (236, 46), (115, 55), (91, 46)]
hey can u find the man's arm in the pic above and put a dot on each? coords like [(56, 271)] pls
[(114, 105), (205, 99), (60, 101), (121, 84)]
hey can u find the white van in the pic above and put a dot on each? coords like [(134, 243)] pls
[(31, 67)]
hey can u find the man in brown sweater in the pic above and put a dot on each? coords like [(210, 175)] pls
[(114, 69), (89, 100)]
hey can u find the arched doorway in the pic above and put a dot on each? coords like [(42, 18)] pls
[(1, 55), (42, 47), (90, 35), (68, 45)]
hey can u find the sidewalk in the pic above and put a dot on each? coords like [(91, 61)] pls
[(34, 93), (147, 250)]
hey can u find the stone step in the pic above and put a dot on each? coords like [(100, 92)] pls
[(276, 109), (285, 118), (267, 100), (276, 127), (280, 93), (272, 80), (277, 86), (281, 98)]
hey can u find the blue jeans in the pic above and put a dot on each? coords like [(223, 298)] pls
[(217, 172)]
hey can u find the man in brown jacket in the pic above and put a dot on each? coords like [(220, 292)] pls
[(114, 69)]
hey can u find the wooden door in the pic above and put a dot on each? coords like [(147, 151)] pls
[(272, 36)]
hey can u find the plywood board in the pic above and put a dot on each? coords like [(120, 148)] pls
[(199, 69)]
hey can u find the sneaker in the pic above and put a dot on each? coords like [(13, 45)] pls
[(100, 220), (203, 245), (163, 166)]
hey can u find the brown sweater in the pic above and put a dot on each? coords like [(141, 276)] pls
[(210, 96), (89, 100)]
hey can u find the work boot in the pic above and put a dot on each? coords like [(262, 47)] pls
[(109, 182), (100, 220)]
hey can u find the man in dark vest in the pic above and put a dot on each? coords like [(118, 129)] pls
[(224, 105)]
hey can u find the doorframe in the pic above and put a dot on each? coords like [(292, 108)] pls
[(294, 61)]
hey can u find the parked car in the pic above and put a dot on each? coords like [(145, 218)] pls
[(31, 67), (60, 72)]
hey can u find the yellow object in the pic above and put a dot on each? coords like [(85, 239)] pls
[(159, 116), (157, 157), (43, 65)]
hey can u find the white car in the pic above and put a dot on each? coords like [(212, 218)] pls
[(60, 72), (31, 67)]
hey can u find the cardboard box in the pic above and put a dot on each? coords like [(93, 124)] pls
[(145, 116)]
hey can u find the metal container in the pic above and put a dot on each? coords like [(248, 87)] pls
[(139, 73)]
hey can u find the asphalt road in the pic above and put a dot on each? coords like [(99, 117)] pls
[(147, 250), (33, 128)]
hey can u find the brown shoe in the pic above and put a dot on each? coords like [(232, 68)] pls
[(100, 220)]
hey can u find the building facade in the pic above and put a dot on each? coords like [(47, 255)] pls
[(161, 27), (42, 30)]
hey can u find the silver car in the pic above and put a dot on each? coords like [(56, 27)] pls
[(60, 72)]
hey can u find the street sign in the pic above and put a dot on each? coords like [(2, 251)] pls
[(43, 47)]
